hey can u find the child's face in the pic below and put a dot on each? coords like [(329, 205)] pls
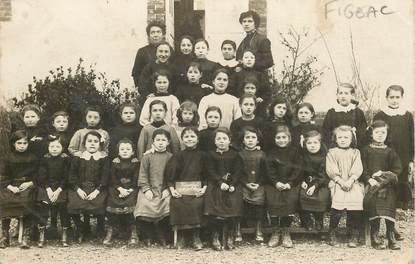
[(344, 139), (379, 134), (190, 139), (186, 46), (248, 106), (250, 89), (394, 99), (92, 118), (282, 139), (162, 84), (213, 119), (157, 112), (304, 115), (161, 142), (60, 123), (248, 24), (163, 53), (128, 115), (222, 141), (344, 96), (248, 59), (280, 110), (125, 150), (92, 143), (313, 144), (250, 140), (193, 75), (55, 148), (201, 50), (187, 116), (220, 82), (228, 52), (21, 145), (30, 118), (155, 35)]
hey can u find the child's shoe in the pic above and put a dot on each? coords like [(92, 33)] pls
[(65, 237), (275, 239), (286, 238), (25, 240), (392, 243), (332, 238), (108, 237), (197, 243), (353, 241), (133, 237), (215, 241), (41, 241)]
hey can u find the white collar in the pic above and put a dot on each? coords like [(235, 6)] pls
[(340, 108), (96, 156), (228, 63), (393, 112)]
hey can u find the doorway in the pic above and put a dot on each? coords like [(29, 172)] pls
[(189, 19)]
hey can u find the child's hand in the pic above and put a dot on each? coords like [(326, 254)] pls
[(150, 95), (149, 195), (280, 186), (224, 187), (93, 195), (165, 194), (304, 185), (206, 86), (55, 195), (377, 174), (252, 186), (201, 191), (35, 138), (231, 189), (175, 193), (411, 168), (13, 189), (287, 186), (25, 186), (372, 182), (311, 190), (123, 192), (259, 100), (151, 150), (81, 193), (49, 193)]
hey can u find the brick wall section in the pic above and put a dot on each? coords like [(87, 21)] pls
[(156, 10), (260, 6), (5, 10)]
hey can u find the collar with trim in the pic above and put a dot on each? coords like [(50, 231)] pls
[(96, 156), (394, 112), (340, 108)]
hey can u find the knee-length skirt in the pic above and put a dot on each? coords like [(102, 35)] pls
[(15, 205), (76, 205), (152, 210), (281, 203), (118, 205), (223, 203), (318, 202)]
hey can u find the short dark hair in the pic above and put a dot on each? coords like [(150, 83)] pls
[(245, 96), (158, 24), (160, 102), (160, 131), (280, 100), (230, 42), (394, 88), (224, 130), (213, 108), (250, 78), (125, 141), (220, 70), (253, 14), (202, 40), (307, 105), (31, 107), (347, 85), (92, 133), (17, 135), (190, 128), (252, 130)]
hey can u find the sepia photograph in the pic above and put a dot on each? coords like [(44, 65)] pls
[(207, 131)]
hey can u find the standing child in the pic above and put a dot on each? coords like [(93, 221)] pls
[(401, 134), (344, 168), (347, 113), (279, 114), (228, 104), (188, 117), (183, 57), (60, 128), (305, 116), (18, 170), (88, 178), (128, 127), (250, 85), (36, 133), (228, 60), (223, 201), (247, 104), (51, 184), (192, 89), (213, 116), (255, 172), (381, 167), (162, 81), (207, 66), (282, 194), (158, 111), (153, 198), (314, 193), (186, 178), (93, 120), (122, 192)]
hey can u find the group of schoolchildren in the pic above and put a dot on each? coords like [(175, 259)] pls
[(210, 150)]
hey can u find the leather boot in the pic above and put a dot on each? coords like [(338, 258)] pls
[(41, 241), (390, 234), (275, 239), (230, 239), (108, 237), (215, 241), (398, 235), (374, 234), (180, 239), (197, 243), (25, 240), (238, 234), (259, 236), (354, 237), (65, 237), (5, 237), (161, 236), (332, 238), (134, 237), (286, 238)]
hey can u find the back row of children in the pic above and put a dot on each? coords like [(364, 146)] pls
[(214, 175)]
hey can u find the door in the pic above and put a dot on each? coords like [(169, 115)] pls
[(169, 5)]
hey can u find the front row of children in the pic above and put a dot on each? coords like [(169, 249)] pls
[(193, 189)]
